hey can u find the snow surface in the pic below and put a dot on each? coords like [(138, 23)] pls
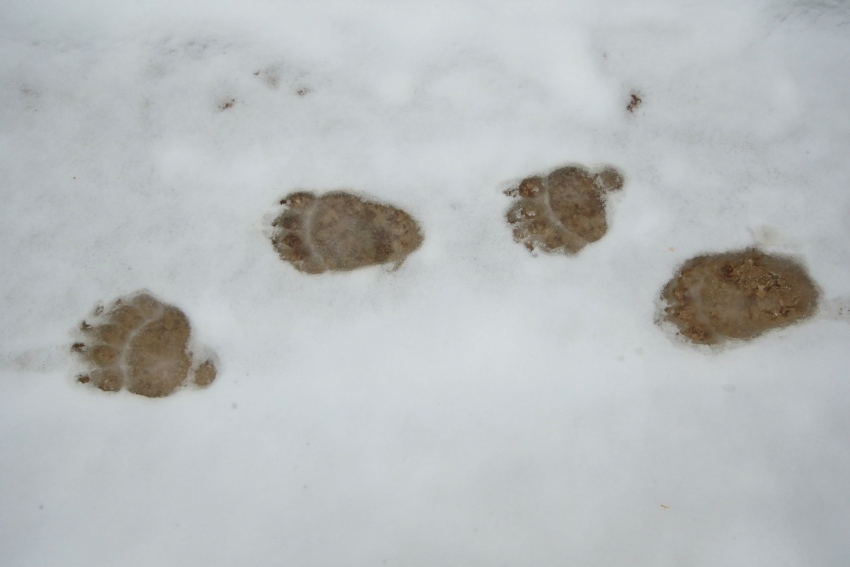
[(480, 406)]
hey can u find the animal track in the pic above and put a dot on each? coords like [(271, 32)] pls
[(564, 211), (140, 344), (737, 295), (339, 231)]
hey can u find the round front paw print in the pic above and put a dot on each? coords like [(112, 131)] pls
[(140, 344), (564, 211)]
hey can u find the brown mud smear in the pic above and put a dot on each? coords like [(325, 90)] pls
[(737, 295), (140, 344), (634, 103), (339, 232), (564, 211)]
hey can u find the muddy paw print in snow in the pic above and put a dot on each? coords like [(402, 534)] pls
[(737, 295), (339, 232), (141, 344), (564, 211)]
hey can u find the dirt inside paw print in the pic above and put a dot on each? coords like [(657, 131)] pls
[(340, 232), (737, 295), (140, 344), (564, 211)]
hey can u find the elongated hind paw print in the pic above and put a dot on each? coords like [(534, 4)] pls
[(737, 295), (340, 232), (564, 211), (141, 344)]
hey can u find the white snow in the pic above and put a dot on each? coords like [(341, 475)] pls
[(480, 406)]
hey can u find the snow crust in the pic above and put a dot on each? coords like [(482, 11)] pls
[(480, 405)]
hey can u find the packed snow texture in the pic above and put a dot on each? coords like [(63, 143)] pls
[(481, 405)]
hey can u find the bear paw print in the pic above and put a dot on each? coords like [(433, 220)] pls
[(340, 232), (141, 344), (564, 211), (737, 295)]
